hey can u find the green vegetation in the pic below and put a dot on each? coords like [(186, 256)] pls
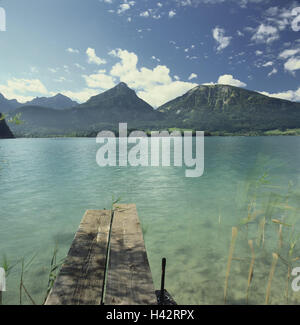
[(5, 132), (283, 132), (25, 265), (228, 110)]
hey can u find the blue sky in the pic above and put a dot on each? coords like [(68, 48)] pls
[(159, 48)]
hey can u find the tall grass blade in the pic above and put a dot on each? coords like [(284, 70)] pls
[(272, 271), (250, 275), (231, 250)]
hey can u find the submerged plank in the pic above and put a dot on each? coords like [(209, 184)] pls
[(80, 280), (129, 280)]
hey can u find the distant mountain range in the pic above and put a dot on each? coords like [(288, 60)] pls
[(103, 111), (58, 101), (216, 109)]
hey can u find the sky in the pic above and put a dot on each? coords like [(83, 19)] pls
[(161, 49)]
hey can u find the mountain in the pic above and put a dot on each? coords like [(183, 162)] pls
[(5, 132), (219, 109), (104, 111), (7, 105), (230, 109), (58, 101), (119, 104)]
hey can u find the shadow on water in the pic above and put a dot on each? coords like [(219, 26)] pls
[(63, 238)]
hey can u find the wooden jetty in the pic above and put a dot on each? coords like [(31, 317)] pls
[(107, 262)]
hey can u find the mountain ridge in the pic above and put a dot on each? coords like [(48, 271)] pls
[(59, 101), (7, 105), (212, 108), (230, 108), (105, 110)]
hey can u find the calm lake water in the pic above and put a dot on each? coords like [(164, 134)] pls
[(46, 185)]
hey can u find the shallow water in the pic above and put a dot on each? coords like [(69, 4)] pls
[(47, 184)]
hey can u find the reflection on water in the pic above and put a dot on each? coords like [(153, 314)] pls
[(47, 184)]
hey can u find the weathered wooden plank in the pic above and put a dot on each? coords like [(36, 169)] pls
[(80, 280), (129, 279)]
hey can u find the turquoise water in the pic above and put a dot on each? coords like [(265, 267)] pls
[(47, 184)]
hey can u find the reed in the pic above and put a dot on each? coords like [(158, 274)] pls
[(54, 268), (22, 285), (272, 271), (288, 283), (231, 250), (8, 268), (261, 232), (251, 268), (280, 237), (21, 281)]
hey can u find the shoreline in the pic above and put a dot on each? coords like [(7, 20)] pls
[(211, 135)]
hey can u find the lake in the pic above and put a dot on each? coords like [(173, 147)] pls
[(46, 185)]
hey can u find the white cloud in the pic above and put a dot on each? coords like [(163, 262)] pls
[(172, 13), (265, 34), (274, 71), (284, 16), (258, 52), (272, 11), (185, 3), (222, 40), (160, 94), (293, 59), (227, 79), (53, 70), (193, 76), (66, 68), (123, 7), (292, 64), (70, 50), (155, 58), (60, 79), (19, 89), (288, 53), (268, 64), (153, 85), (99, 80), (156, 16), (34, 69), (293, 95), (82, 95), (79, 66), (195, 3), (93, 58), (145, 14), (295, 24)]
